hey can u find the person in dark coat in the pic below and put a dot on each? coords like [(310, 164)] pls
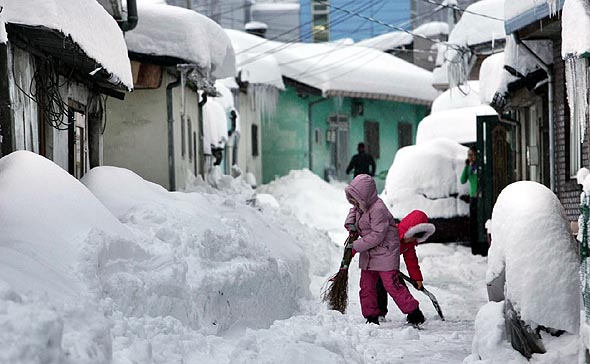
[(362, 162)]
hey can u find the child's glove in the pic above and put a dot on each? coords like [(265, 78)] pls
[(351, 228)]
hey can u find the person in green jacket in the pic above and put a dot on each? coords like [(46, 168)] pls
[(470, 175)]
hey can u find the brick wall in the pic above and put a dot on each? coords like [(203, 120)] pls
[(567, 189)]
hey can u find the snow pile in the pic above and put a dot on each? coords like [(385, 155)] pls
[(475, 29), (341, 70), (575, 32), (85, 21), (219, 252), (466, 95), (314, 202), (392, 40), (426, 177), (532, 242), (459, 125), (165, 30)]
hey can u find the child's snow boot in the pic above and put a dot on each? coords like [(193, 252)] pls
[(416, 317), (372, 320)]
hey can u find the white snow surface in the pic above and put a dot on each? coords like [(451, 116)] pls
[(531, 240), (85, 21), (260, 69), (491, 77), (392, 40), (475, 29), (575, 22), (215, 130), (255, 25), (339, 67), (3, 35), (466, 95), (426, 177), (165, 30), (459, 125)]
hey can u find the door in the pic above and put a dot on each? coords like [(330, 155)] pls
[(338, 126), (496, 164)]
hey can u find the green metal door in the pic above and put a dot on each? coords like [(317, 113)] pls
[(496, 164)]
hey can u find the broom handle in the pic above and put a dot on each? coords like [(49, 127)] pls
[(347, 257)]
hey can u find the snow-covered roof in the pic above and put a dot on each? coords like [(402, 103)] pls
[(85, 21), (475, 29), (458, 97), (392, 40), (521, 13), (279, 7), (342, 70), (171, 31), (260, 70), (459, 125), (575, 25)]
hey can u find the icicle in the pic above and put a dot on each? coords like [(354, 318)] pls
[(576, 74), (266, 98), (553, 8)]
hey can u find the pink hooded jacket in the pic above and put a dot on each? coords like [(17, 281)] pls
[(379, 244)]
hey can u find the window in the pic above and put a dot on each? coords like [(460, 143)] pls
[(404, 134), (318, 136), (254, 140), (146, 76), (372, 138), (320, 14)]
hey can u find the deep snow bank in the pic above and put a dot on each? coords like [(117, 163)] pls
[(224, 255), (426, 177), (531, 240)]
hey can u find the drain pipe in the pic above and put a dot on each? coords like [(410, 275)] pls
[(170, 112), (310, 129), (201, 135), (551, 100), (132, 17)]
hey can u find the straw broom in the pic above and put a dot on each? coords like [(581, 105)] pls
[(335, 291)]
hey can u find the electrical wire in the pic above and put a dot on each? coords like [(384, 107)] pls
[(456, 7)]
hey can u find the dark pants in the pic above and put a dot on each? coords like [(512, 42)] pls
[(477, 246)]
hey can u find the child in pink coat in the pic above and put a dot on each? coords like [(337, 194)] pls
[(379, 249)]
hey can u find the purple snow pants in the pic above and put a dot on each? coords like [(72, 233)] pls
[(399, 292)]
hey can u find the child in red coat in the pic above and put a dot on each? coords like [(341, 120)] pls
[(413, 229)]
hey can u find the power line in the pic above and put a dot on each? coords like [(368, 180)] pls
[(456, 7)]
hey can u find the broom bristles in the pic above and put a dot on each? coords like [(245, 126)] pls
[(336, 293)]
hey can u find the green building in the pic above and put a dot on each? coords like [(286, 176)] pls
[(338, 124)]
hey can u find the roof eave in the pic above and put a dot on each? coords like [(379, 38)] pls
[(530, 16), (377, 96)]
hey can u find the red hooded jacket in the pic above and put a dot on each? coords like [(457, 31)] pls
[(416, 221)]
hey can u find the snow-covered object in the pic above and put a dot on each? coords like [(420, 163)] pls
[(341, 70), (475, 29), (426, 177), (532, 242), (466, 95), (171, 31), (392, 40), (575, 25), (227, 98), (257, 69), (577, 73), (582, 174), (215, 131), (254, 25), (3, 35), (45, 216), (459, 125), (308, 197), (223, 251), (491, 76), (85, 21)]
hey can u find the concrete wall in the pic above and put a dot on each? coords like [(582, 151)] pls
[(136, 135)]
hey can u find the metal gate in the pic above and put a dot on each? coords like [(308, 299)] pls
[(496, 164)]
